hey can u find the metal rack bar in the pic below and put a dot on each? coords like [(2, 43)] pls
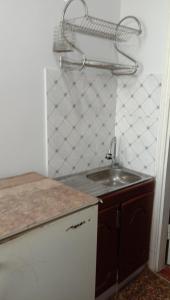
[(116, 69), (100, 28)]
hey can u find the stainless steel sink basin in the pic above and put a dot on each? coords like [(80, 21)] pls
[(114, 177), (103, 180)]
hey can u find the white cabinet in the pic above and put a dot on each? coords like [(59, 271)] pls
[(54, 262)]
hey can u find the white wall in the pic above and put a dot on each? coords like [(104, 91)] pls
[(25, 38), (154, 16), (26, 32)]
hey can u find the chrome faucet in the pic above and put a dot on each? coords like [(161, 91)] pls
[(113, 156)]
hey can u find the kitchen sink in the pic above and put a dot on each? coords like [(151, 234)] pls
[(114, 177), (104, 180)]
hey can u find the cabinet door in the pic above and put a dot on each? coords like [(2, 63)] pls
[(136, 217), (106, 250)]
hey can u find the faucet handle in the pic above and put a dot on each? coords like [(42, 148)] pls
[(109, 156)]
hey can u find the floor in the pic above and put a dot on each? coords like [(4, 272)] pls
[(165, 273), (146, 286)]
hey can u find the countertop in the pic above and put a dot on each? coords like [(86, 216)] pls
[(30, 200)]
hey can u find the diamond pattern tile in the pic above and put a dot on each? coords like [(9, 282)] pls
[(81, 110), (137, 119), (86, 109)]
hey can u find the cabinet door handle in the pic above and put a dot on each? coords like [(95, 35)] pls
[(117, 218), (76, 226), (100, 201)]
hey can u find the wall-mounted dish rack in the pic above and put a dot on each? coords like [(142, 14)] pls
[(64, 40)]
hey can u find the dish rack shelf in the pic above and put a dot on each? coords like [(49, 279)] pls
[(64, 40), (100, 28)]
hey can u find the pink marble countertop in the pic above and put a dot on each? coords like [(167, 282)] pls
[(30, 200)]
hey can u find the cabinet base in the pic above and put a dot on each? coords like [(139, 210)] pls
[(107, 294)]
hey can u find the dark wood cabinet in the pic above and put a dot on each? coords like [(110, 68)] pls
[(135, 226), (106, 250), (124, 225)]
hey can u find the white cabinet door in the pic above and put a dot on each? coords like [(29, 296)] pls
[(54, 262)]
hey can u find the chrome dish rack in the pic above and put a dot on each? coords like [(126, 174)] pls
[(98, 28)]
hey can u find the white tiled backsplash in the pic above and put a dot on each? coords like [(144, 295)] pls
[(81, 120), (137, 118), (81, 115)]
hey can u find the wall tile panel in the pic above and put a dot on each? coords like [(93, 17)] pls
[(137, 120), (81, 116)]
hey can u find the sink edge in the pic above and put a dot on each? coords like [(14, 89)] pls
[(80, 182)]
